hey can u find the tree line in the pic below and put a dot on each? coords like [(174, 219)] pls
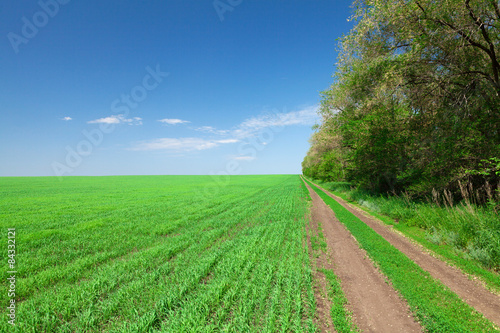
[(415, 102)]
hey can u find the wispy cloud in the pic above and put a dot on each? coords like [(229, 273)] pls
[(67, 118), (180, 144), (227, 141), (173, 121), (212, 130), (252, 126), (117, 119), (249, 128)]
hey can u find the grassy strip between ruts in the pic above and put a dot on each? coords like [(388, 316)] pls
[(437, 308), (445, 251), (341, 317)]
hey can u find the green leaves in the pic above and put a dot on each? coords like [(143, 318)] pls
[(416, 92)]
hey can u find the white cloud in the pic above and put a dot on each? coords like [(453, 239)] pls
[(306, 116), (252, 126), (67, 118), (117, 119), (181, 144), (212, 130), (248, 128), (107, 120), (134, 121), (228, 141), (173, 121), (209, 129)]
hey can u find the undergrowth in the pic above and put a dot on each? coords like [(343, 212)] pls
[(473, 232)]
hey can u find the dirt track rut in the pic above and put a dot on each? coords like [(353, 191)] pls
[(472, 292), (375, 305)]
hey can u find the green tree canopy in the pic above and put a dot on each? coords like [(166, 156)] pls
[(415, 103)]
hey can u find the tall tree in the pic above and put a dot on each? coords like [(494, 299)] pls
[(416, 96)]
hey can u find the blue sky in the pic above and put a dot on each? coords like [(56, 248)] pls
[(163, 87)]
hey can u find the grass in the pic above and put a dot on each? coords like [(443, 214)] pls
[(436, 307), (155, 253), (464, 235), (341, 317), (318, 240)]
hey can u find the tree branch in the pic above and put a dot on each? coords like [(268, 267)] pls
[(497, 9), (477, 20)]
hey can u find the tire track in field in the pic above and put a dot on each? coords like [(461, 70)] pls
[(375, 305), (470, 291), (323, 304)]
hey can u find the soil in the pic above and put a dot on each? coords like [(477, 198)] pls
[(471, 291), (375, 305), (323, 306)]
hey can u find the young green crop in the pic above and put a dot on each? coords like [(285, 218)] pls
[(158, 253)]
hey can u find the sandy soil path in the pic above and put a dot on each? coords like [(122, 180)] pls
[(323, 305), (472, 292), (375, 305)]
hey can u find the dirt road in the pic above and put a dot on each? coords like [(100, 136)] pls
[(471, 291), (375, 305)]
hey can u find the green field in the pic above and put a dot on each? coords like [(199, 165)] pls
[(189, 254), (166, 253)]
